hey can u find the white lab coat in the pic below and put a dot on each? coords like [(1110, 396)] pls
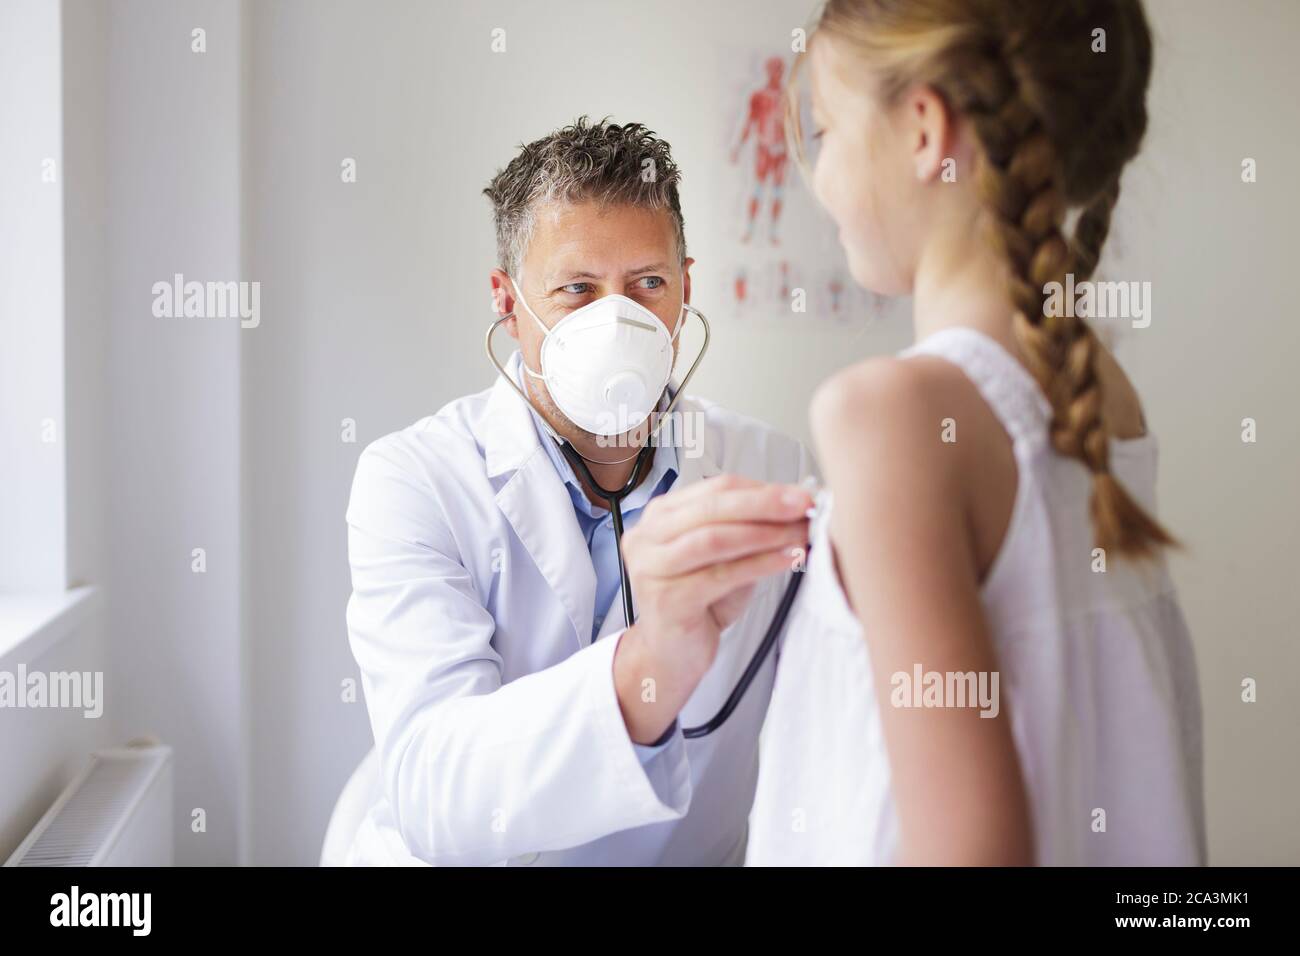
[(498, 736)]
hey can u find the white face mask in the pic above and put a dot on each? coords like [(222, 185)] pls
[(606, 364)]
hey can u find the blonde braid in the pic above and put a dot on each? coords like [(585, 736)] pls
[(1118, 520), (1020, 183), (1091, 230)]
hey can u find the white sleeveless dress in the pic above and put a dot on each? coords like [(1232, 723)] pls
[(1096, 670)]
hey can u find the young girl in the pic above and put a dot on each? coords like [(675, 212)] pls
[(987, 663)]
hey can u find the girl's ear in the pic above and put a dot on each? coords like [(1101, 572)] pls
[(929, 129)]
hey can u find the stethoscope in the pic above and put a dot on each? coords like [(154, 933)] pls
[(615, 500)]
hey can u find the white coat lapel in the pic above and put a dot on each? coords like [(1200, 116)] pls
[(535, 502), (696, 451)]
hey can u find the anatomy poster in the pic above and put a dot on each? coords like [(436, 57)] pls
[(783, 257)]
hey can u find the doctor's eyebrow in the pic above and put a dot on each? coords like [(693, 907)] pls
[(640, 270), (653, 267)]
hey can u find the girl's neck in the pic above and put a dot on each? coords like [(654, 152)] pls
[(962, 285)]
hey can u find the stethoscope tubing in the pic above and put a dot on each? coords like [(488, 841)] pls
[(755, 664), (615, 501)]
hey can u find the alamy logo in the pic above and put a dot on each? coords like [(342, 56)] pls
[(103, 909), (1099, 300), (208, 300), (946, 689), (675, 429), (57, 689)]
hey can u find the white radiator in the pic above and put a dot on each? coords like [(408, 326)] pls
[(117, 812)]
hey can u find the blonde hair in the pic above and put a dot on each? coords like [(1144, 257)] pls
[(1054, 125)]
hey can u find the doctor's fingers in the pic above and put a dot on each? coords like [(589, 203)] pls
[(733, 499), (712, 544), (728, 608), (682, 496), (706, 586)]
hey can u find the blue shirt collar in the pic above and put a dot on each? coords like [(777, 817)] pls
[(664, 463)]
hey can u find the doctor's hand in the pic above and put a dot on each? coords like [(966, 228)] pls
[(694, 558)]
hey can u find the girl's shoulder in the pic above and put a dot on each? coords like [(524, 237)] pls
[(924, 401), (902, 386), (907, 415), (911, 442)]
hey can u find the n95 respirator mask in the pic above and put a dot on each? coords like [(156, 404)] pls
[(606, 365)]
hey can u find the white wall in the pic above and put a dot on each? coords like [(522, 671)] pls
[(85, 287), (173, 160), (1219, 253)]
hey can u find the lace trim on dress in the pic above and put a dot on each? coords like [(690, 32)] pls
[(1004, 383)]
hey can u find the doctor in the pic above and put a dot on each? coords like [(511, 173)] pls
[(517, 719)]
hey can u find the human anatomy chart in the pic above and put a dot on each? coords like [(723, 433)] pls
[(784, 259)]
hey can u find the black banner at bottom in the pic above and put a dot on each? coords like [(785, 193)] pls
[(337, 906)]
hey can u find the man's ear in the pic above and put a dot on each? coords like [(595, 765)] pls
[(929, 128), (686, 279), (503, 300)]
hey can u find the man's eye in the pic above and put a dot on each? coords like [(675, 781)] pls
[(576, 288), (656, 282)]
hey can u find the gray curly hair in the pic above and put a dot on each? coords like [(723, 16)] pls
[(600, 162)]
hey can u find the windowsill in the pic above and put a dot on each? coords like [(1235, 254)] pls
[(31, 624)]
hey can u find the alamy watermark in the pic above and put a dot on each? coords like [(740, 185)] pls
[(74, 908), (675, 429), (179, 299), (1099, 300), (82, 690), (922, 688)]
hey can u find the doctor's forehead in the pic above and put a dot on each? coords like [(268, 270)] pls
[(601, 241)]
